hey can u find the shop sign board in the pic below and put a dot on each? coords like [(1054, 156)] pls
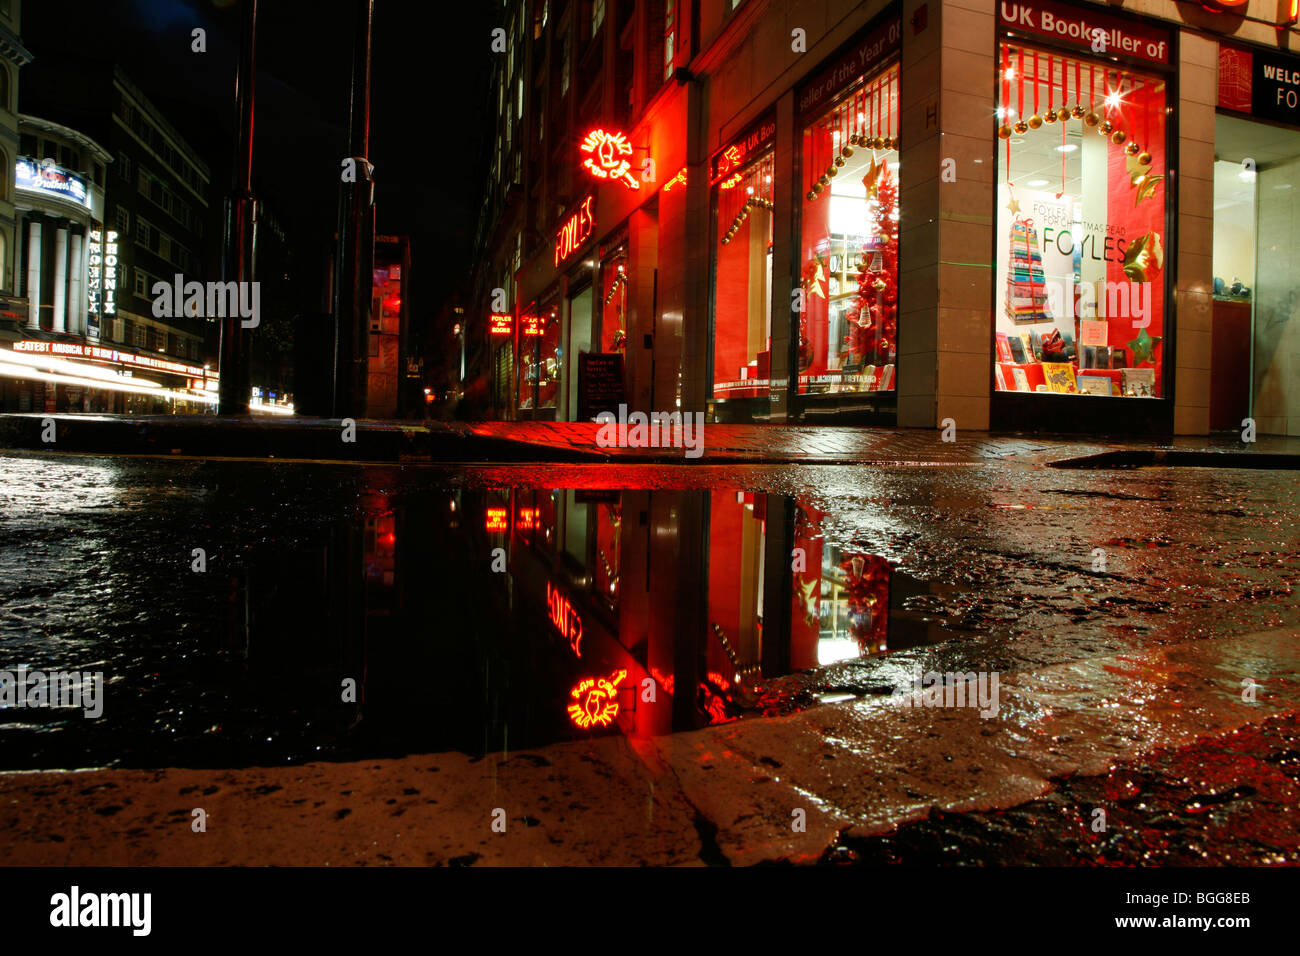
[(1090, 30), (1259, 82), (600, 384), (857, 60), (743, 148)]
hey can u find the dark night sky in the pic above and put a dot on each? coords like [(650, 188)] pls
[(428, 122)]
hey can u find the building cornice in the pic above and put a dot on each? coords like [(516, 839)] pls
[(12, 49)]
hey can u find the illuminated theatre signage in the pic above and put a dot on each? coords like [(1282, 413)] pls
[(606, 157), (101, 287), (575, 231), (52, 180), (97, 353)]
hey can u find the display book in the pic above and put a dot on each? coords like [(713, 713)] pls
[(1051, 361)]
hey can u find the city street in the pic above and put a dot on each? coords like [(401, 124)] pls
[(1121, 609)]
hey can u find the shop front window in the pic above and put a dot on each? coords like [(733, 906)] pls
[(742, 291), (613, 301), (1080, 280), (550, 359), (848, 327)]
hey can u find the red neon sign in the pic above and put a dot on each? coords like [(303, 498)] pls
[(729, 183), (574, 232), (605, 159), (528, 521), (499, 324), (496, 520), (564, 617), (681, 173), (596, 700)]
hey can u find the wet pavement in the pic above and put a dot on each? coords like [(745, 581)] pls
[(1120, 608)]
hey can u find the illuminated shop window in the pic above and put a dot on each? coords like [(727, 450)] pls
[(734, 643), (613, 301), (742, 282), (1081, 226), (840, 601), (848, 331), (671, 16)]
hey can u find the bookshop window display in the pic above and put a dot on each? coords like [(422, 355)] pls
[(742, 291), (1080, 282), (613, 301), (848, 329), (540, 359)]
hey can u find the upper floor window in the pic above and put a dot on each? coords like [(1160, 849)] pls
[(597, 15), (671, 16)]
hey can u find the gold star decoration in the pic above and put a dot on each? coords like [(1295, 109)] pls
[(1014, 205), (818, 278)]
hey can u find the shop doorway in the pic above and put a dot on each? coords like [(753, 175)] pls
[(577, 342), (1255, 324)]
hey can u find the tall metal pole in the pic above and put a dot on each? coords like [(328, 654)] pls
[(356, 241), (238, 253)]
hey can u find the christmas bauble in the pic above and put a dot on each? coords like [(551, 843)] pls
[(1004, 132), (823, 180), (1145, 159), (879, 285), (853, 139), (1049, 116), (839, 161), (1105, 128), (1078, 112), (847, 150), (1132, 149), (1063, 113), (811, 195), (1022, 127), (832, 171), (1118, 137), (1092, 119), (1035, 121)]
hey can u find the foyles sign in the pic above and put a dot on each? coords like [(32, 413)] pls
[(1090, 29), (1260, 83)]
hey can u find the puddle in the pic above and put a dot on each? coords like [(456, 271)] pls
[(469, 619)]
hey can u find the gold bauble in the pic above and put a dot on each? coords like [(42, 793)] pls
[(1049, 116), (1132, 148), (839, 161), (832, 171), (1145, 159), (823, 180), (853, 139), (1092, 119), (1021, 127), (1035, 121), (847, 151), (1004, 132), (811, 195), (879, 285), (1063, 113), (1105, 127), (1078, 112), (1118, 137)]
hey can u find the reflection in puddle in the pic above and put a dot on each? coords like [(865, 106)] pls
[(496, 620)]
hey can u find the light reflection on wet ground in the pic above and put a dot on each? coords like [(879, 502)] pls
[(320, 573)]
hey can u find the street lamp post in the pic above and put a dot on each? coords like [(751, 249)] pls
[(240, 238), (356, 241)]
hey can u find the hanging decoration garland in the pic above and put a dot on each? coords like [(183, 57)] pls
[(875, 134), (1102, 122)]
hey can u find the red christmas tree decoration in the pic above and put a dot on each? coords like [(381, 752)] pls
[(874, 332), (866, 585)]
